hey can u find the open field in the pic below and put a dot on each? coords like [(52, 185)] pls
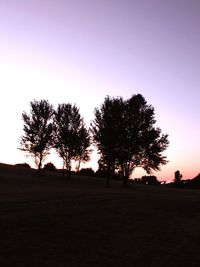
[(51, 221)]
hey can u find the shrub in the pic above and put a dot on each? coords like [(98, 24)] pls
[(150, 180), (49, 167), (87, 171)]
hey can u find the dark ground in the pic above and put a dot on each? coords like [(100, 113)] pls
[(50, 221)]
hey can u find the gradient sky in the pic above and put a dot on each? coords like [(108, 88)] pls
[(82, 50)]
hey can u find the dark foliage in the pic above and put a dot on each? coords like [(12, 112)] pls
[(83, 150), (150, 180), (87, 172), (38, 131), (177, 177), (126, 137), (190, 183), (71, 138), (49, 167), (103, 171)]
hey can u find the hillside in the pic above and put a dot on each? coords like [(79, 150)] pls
[(49, 221)]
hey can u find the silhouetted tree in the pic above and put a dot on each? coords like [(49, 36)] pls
[(107, 130), (177, 177), (102, 170), (144, 143), (83, 147), (38, 131), (71, 138), (126, 138)]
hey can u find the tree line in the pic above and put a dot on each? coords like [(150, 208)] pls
[(123, 132)]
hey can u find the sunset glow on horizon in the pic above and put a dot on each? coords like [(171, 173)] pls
[(81, 51)]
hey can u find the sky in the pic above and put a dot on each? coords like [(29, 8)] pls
[(83, 50)]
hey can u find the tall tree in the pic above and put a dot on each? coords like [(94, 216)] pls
[(126, 137), (38, 131), (71, 138), (144, 143), (106, 129), (83, 148)]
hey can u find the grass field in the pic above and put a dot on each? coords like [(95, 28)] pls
[(50, 221)]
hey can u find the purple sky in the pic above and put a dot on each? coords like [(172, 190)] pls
[(82, 50)]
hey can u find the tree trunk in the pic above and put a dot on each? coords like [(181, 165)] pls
[(40, 163), (125, 180), (69, 173), (63, 171), (126, 173), (78, 165)]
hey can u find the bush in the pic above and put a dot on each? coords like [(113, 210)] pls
[(150, 180), (87, 171), (49, 167)]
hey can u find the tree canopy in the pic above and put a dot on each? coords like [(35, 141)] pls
[(126, 137), (123, 131), (38, 131), (71, 138)]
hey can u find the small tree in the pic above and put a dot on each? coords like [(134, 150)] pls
[(38, 131), (177, 177), (71, 139)]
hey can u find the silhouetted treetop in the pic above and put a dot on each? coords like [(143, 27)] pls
[(71, 138), (177, 177), (38, 131), (126, 137)]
